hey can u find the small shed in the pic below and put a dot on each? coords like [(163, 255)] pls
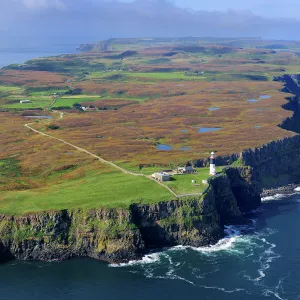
[(25, 101), (186, 170), (161, 176)]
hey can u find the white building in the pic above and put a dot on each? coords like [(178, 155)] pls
[(161, 176), (212, 167), (25, 101), (186, 170)]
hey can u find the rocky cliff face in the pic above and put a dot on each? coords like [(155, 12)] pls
[(120, 235), (277, 163)]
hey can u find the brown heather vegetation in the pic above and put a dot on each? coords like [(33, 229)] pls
[(34, 160), (144, 110), (132, 133), (32, 78)]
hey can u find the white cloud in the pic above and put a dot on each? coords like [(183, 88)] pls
[(43, 4)]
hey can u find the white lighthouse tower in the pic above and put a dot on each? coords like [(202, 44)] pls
[(212, 170)]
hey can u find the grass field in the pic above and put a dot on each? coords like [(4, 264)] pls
[(182, 184), (95, 189)]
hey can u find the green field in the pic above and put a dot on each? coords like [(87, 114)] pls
[(36, 102), (182, 184), (11, 89), (131, 76), (96, 189)]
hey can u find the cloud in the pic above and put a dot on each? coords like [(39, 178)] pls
[(44, 4), (86, 20)]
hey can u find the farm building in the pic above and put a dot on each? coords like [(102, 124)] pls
[(161, 176), (25, 101), (88, 108), (186, 170)]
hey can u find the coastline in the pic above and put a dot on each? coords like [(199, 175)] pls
[(283, 190), (122, 235)]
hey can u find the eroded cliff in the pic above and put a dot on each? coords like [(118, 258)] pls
[(120, 235)]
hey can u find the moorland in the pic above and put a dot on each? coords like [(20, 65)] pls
[(140, 105)]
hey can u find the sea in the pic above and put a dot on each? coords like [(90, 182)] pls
[(19, 52), (258, 261), (254, 262)]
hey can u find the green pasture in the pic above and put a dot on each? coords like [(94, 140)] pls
[(182, 184), (127, 76), (36, 102), (10, 89), (96, 189)]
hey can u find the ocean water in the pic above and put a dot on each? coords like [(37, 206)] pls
[(260, 261), (17, 54)]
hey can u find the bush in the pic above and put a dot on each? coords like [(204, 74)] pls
[(53, 127)]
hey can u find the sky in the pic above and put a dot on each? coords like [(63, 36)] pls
[(93, 20), (267, 8)]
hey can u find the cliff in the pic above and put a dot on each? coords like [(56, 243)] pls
[(277, 163), (120, 235)]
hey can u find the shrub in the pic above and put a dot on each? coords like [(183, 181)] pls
[(53, 127)]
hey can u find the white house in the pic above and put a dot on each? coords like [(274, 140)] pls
[(25, 101), (186, 170), (161, 176)]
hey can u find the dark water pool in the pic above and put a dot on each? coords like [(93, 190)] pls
[(39, 117), (265, 97), (208, 129), (164, 147), (185, 149)]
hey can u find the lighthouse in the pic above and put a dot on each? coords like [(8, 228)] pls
[(212, 168)]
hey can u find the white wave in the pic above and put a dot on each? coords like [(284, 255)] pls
[(275, 197), (222, 289), (147, 259), (297, 189)]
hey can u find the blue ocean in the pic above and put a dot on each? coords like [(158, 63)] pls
[(259, 261)]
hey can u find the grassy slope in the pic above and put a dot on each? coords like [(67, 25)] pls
[(96, 189)]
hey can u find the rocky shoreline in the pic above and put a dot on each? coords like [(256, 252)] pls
[(283, 190), (121, 235)]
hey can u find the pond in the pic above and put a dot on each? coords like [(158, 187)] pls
[(163, 147), (185, 149), (184, 130), (258, 126), (265, 97), (213, 108), (39, 117), (208, 129), (253, 100)]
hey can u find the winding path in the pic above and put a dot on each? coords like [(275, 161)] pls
[(103, 160)]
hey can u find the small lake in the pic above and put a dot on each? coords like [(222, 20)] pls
[(253, 100), (184, 130), (213, 108), (265, 97), (208, 129), (258, 126), (39, 117), (163, 147), (185, 149)]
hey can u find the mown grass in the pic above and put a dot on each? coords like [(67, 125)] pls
[(36, 102), (12, 89), (96, 189), (146, 75), (182, 184)]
